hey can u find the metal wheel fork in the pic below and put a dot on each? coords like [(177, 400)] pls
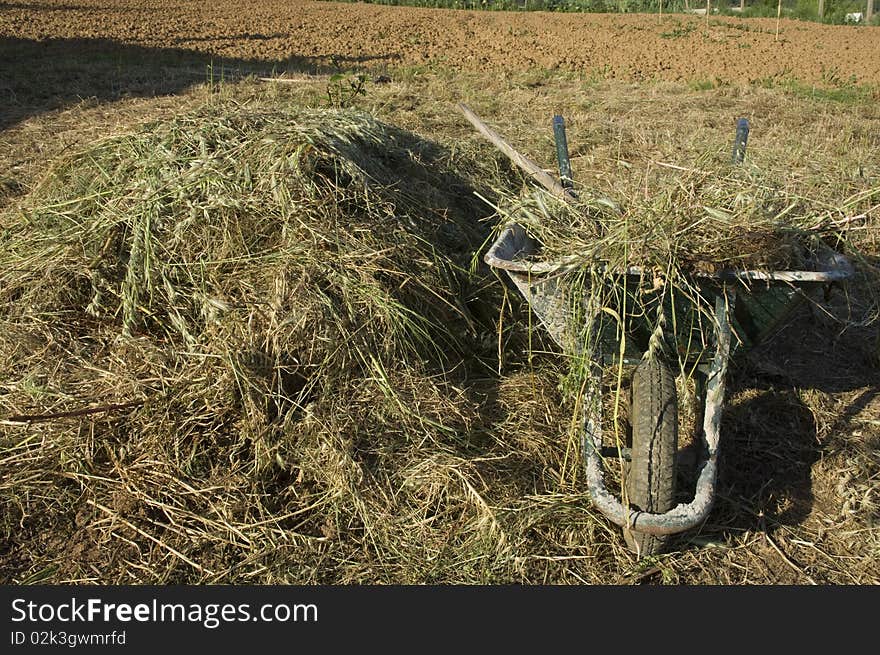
[(685, 515)]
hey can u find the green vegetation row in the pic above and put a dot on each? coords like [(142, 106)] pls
[(835, 10)]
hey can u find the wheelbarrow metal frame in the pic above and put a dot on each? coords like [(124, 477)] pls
[(510, 253)]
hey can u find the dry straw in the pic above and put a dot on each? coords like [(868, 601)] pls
[(258, 355), (266, 314)]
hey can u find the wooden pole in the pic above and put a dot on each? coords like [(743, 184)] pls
[(869, 12), (524, 163), (778, 16), (742, 5), (821, 10), (708, 8)]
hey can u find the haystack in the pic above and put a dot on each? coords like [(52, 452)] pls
[(224, 340)]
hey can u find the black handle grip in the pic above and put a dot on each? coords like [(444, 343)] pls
[(562, 152), (739, 143)]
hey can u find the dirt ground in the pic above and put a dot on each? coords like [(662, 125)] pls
[(305, 35), (798, 488)]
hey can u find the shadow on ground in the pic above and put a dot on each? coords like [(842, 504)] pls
[(41, 76), (776, 425)]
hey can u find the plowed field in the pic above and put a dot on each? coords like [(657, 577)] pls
[(305, 34)]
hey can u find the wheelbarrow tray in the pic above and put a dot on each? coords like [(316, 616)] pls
[(764, 299)]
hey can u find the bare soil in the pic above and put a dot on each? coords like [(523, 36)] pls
[(308, 35)]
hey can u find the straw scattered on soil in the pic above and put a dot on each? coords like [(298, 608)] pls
[(438, 469)]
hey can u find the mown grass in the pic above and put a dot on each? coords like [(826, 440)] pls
[(250, 460), (836, 90)]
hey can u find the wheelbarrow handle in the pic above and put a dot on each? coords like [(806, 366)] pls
[(740, 141), (562, 157)]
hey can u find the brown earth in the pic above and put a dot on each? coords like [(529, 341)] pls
[(307, 35)]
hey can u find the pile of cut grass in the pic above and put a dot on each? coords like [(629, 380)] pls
[(706, 219), (244, 345)]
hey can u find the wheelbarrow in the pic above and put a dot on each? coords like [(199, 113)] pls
[(619, 319)]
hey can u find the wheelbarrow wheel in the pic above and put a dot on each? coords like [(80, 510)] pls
[(650, 480)]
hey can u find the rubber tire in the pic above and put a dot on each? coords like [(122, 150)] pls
[(650, 480)]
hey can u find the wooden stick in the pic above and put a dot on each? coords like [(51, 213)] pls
[(285, 80), (523, 162), (787, 560), (778, 15), (22, 419)]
